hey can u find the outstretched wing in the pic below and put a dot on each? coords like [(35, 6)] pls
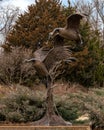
[(73, 21), (41, 53), (55, 55)]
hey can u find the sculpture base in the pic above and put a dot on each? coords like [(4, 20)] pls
[(44, 128), (53, 120)]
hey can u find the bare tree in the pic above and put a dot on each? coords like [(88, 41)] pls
[(84, 6), (8, 15), (99, 6)]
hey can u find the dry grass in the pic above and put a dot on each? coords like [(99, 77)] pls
[(61, 88), (4, 90)]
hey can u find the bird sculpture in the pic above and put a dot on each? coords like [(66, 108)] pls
[(58, 53), (71, 30), (44, 62), (41, 70)]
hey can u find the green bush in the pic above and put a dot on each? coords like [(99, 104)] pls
[(69, 113), (74, 105), (25, 105), (21, 106), (2, 116)]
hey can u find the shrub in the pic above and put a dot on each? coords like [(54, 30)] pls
[(25, 105), (21, 105), (77, 104), (14, 70), (69, 113)]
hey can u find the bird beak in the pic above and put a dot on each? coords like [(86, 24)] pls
[(50, 36), (53, 34)]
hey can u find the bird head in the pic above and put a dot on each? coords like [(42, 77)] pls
[(55, 32)]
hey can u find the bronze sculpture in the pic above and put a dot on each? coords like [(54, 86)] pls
[(43, 67), (41, 70), (44, 62), (71, 30)]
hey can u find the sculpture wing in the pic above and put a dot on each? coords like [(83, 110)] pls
[(73, 21), (40, 68), (41, 53), (55, 55)]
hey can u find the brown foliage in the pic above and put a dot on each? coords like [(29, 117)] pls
[(13, 69), (32, 28)]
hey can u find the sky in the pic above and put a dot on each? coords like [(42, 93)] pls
[(22, 4)]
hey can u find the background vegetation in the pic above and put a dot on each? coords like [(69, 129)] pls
[(21, 104), (28, 33), (34, 27)]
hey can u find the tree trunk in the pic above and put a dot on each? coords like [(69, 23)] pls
[(51, 118)]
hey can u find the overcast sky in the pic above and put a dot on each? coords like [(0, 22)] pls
[(22, 4)]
